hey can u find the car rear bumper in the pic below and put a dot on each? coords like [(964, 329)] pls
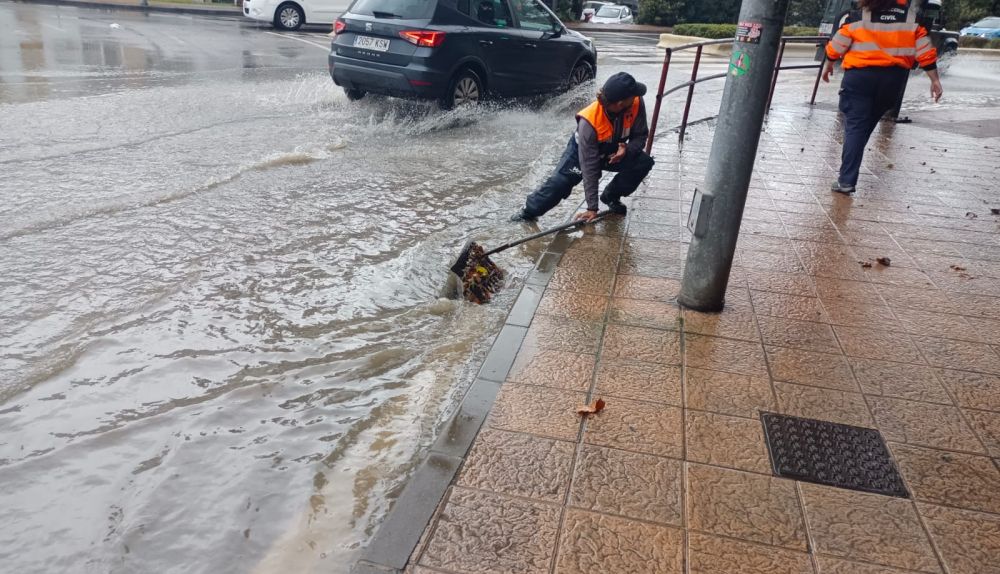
[(412, 81)]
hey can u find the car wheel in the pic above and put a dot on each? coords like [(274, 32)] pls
[(582, 72), (354, 94), (465, 88), (288, 17)]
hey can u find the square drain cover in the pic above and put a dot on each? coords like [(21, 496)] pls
[(833, 454)]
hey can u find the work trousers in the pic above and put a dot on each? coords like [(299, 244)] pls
[(866, 94), (631, 170)]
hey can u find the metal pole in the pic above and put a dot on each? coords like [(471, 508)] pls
[(659, 99), (717, 210), (819, 74), (774, 79), (687, 104)]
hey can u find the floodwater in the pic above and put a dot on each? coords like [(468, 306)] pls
[(223, 340)]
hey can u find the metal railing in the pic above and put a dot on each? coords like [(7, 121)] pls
[(695, 80)]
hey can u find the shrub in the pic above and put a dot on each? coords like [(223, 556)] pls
[(711, 31), (660, 12), (972, 42), (800, 31), (994, 44), (721, 31)]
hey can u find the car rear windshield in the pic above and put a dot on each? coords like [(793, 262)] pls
[(988, 23), (395, 9), (609, 12)]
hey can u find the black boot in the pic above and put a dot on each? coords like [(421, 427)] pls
[(521, 216), (614, 205)]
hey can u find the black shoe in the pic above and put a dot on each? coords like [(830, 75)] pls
[(841, 188), (614, 205), (521, 216)]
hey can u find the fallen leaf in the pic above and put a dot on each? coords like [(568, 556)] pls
[(970, 215), (891, 165), (593, 408), (995, 211), (957, 268), (884, 261), (866, 264), (965, 276)]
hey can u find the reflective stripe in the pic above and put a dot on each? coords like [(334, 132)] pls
[(864, 47), (840, 44), (923, 43), (924, 50), (880, 27), (873, 47)]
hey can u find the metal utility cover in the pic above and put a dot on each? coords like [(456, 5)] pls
[(832, 454)]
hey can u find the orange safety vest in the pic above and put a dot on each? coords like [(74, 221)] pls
[(883, 38), (595, 115)]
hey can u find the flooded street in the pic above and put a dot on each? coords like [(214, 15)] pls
[(223, 341), (222, 334)]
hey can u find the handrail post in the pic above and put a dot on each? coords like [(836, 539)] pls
[(774, 78), (659, 99), (819, 74), (687, 104)]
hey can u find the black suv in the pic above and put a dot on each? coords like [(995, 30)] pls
[(456, 51)]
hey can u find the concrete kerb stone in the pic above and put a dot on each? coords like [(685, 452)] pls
[(673, 40), (400, 533)]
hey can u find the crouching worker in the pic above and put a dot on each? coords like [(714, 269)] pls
[(610, 136)]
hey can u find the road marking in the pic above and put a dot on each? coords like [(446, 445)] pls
[(303, 40)]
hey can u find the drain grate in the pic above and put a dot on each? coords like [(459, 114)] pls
[(833, 454)]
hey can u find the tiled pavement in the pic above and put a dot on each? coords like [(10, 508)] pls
[(674, 476)]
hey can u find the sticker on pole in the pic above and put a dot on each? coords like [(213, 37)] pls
[(749, 32), (739, 63)]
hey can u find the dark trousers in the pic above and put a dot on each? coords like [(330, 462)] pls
[(631, 170), (866, 94)]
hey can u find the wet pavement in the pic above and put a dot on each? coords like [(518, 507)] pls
[(674, 475), (223, 343), (223, 346)]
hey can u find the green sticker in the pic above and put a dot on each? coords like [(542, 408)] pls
[(739, 63)]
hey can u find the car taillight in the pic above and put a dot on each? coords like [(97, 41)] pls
[(339, 26), (426, 38)]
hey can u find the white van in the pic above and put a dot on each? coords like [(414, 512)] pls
[(292, 14)]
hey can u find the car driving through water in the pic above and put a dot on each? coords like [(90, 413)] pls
[(456, 51)]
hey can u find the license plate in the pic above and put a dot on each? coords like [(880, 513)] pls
[(377, 44), (825, 29)]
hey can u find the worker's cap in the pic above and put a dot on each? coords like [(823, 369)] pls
[(622, 86)]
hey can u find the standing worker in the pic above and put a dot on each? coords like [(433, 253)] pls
[(879, 46), (610, 135)]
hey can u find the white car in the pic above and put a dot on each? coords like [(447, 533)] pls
[(292, 14), (612, 15), (591, 8)]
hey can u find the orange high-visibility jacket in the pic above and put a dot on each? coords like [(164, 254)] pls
[(596, 116), (883, 38)]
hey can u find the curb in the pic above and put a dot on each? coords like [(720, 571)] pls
[(178, 9), (400, 533), (627, 29), (672, 40)]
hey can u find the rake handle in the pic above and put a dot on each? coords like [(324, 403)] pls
[(550, 231)]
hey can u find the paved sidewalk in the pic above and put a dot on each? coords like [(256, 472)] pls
[(673, 476)]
